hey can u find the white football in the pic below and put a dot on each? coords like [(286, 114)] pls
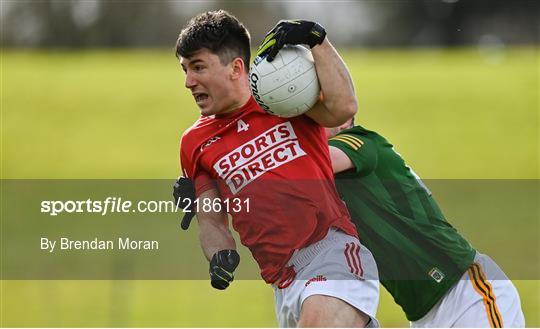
[(288, 86)]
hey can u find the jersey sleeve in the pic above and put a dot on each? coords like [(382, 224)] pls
[(361, 151), (201, 179)]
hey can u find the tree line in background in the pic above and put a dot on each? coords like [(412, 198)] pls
[(114, 23)]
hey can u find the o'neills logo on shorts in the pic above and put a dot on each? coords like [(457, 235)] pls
[(271, 149)]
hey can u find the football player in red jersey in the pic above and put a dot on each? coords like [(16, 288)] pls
[(296, 227)]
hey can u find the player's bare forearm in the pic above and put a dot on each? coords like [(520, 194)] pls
[(339, 102), (214, 232), (340, 161), (214, 237)]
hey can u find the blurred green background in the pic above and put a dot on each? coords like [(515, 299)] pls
[(452, 113)]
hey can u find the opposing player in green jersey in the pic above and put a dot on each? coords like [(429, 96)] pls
[(432, 272)]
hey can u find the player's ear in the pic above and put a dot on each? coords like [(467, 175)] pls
[(238, 69)]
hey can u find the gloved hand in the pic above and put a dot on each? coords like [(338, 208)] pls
[(291, 33), (222, 267), (184, 198)]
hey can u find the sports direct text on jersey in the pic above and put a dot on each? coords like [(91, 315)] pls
[(271, 149)]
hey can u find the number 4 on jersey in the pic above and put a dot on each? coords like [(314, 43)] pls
[(242, 126)]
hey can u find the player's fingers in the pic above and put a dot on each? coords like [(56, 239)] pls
[(183, 203), (220, 279), (271, 55), (272, 52), (265, 46), (223, 274), (219, 284), (267, 38), (186, 221)]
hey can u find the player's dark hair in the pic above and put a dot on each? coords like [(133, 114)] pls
[(219, 32)]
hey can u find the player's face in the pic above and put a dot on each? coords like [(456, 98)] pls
[(331, 132), (209, 82)]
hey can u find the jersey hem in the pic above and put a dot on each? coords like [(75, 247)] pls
[(439, 295), (436, 298)]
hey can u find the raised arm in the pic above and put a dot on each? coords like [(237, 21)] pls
[(339, 100), (338, 103)]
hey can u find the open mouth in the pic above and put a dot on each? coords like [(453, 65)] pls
[(201, 97)]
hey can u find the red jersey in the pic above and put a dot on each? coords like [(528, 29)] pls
[(282, 165)]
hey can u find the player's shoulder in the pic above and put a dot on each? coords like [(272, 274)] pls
[(198, 126), (194, 134), (363, 134), (359, 139), (356, 130), (356, 136)]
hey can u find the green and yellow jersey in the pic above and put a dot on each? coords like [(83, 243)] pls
[(420, 256)]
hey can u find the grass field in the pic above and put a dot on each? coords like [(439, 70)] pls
[(453, 114)]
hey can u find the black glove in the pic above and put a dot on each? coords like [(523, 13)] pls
[(291, 33), (222, 267), (184, 198)]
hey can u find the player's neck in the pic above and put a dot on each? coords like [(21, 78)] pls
[(243, 97)]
